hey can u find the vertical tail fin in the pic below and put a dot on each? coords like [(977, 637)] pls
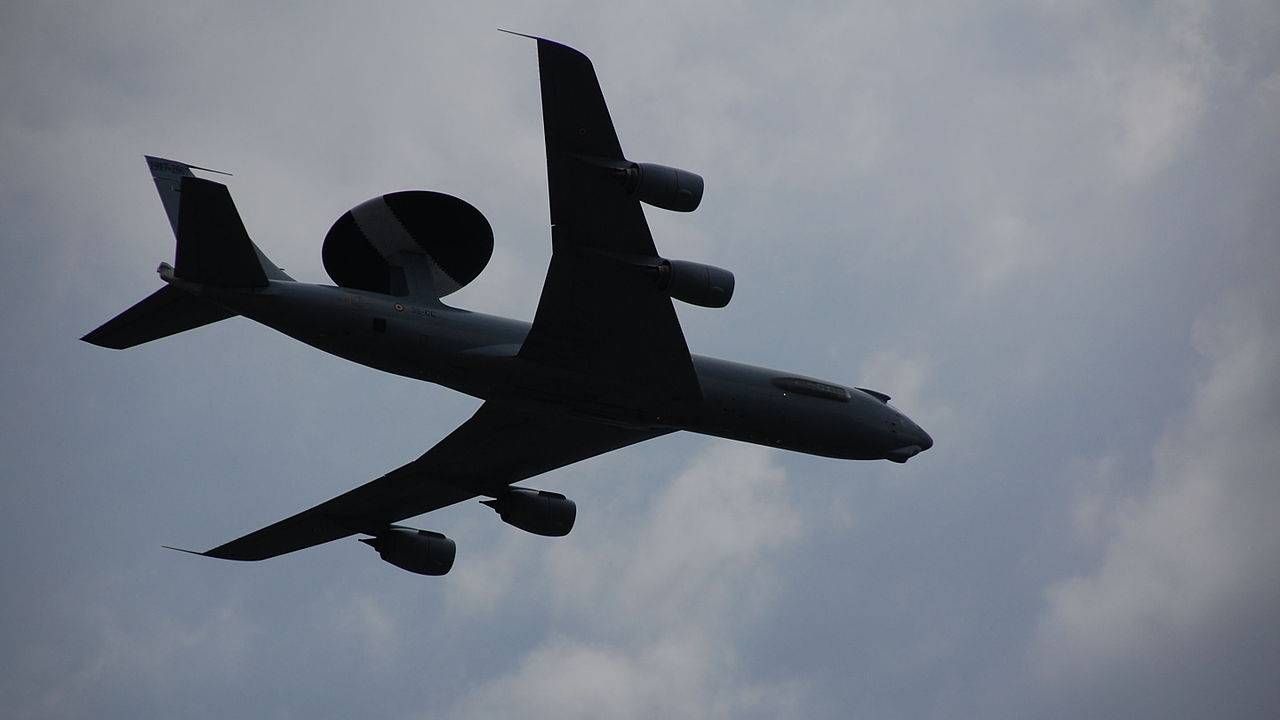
[(213, 249), (168, 175), (213, 246)]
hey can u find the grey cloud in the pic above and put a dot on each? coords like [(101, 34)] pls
[(651, 611), (1006, 215), (1189, 566)]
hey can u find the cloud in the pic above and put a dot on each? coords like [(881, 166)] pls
[(1002, 246), (1147, 76), (654, 609), (897, 374), (674, 676), (123, 658), (909, 379), (372, 627), (1002, 213), (1188, 581)]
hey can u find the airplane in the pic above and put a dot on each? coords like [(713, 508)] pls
[(603, 365)]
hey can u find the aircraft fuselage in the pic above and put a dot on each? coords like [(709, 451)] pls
[(477, 354)]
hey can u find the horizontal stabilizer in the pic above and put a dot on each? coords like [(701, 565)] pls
[(163, 313)]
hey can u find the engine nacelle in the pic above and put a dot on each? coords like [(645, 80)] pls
[(657, 185), (536, 511), (665, 187), (418, 551), (695, 283)]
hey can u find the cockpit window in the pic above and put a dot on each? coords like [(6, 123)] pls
[(805, 386)]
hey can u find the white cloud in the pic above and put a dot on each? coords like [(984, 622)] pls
[(654, 608), (905, 377), (1190, 565), (1160, 105), (1148, 80), (675, 676), (120, 653), (371, 626), (1002, 246), (1093, 515), (480, 582), (897, 374)]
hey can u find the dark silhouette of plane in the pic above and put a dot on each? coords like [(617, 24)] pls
[(603, 365)]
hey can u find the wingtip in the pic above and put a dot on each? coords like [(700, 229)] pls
[(184, 550), (98, 339), (546, 43), (518, 34)]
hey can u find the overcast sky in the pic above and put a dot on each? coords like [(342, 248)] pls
[(1048, 229)]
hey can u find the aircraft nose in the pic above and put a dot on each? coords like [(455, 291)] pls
[(925, 440), (910, 439)]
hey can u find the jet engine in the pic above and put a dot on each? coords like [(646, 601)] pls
[(661, 186), (657, 185), (536, 511), (418, 551), (695, 283)]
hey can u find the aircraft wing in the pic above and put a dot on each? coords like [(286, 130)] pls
[(498, 446), (604, 325)]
